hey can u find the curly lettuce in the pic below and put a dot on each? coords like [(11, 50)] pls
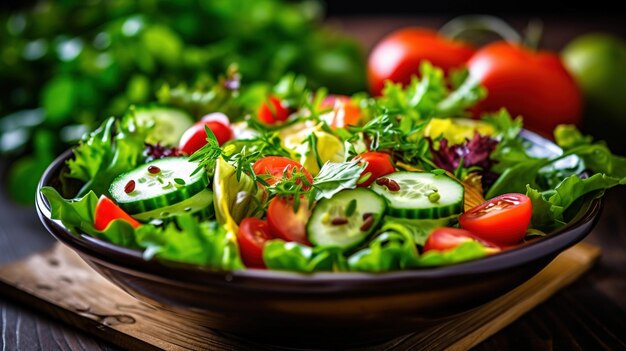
[(115, 147)]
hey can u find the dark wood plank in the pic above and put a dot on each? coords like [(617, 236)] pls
[(21, 326)]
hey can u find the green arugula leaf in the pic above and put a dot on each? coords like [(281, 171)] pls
[(516, 178)]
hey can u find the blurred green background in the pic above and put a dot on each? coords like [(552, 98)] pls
[(65, 65)]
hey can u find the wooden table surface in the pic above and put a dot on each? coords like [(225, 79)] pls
[(588, 315)]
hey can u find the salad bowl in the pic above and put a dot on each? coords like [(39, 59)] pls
[(321, 309)]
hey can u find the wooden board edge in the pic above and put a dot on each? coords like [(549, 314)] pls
[(509, 316), (74, 320)]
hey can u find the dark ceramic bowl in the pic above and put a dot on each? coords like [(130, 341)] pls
[(285, 308)]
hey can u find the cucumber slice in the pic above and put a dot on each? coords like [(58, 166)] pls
[(325, 228), (422, 195), (173, 183), (200, 205), (167, 123)]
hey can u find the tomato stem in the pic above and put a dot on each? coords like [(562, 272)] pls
[(472, 27), (533, 34)]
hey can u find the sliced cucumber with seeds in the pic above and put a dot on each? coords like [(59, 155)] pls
[(345, 220), (167, 123), (200, 205), (421, 195), (157, 184)]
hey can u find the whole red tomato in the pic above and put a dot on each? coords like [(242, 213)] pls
[(534, 84), (195, 137), (398, 56)]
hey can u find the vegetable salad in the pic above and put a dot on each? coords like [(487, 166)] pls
[(293, 179)]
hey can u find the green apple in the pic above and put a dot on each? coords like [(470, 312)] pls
[(598, 63)]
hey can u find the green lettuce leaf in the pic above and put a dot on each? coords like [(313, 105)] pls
[(596, 156), (549, 206), (291, 256), (545, 173), (189, 241), (78, 216), (115, 147), (393, 249), (429, 95), (184, 240), (467, 251), (420, 229)]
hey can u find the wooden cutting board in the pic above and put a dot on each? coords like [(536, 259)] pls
[(59, 283)]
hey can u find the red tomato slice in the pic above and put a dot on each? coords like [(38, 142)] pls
[(444, 239), (502, 220), (107, 211), (378, 165), (252, 236), (276, 166), (195, 137), (344, 112), (287, 224), (274, 113)]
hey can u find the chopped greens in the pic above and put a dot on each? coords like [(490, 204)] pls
[(313, 207)]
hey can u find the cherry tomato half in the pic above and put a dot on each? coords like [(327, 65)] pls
[(274, 113), (378, 165), (344, 112), (252, 236), (445, 238), (195, 137), (398, 56), (276, 166), (533, 84), (287, 224), (107, 211), (502, 220)]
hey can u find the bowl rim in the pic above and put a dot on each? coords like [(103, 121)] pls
[(132, 262)]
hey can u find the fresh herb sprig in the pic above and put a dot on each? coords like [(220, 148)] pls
[(332, 178)]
